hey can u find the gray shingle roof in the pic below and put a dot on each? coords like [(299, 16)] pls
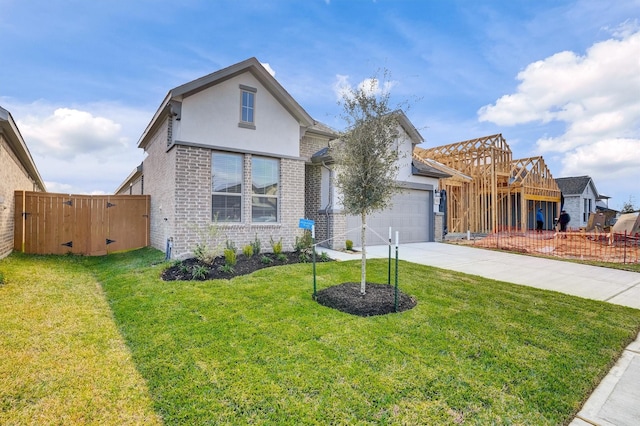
[(421, 169), (573, 185)]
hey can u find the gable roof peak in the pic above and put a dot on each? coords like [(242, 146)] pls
[(252, 65), (575, 185)]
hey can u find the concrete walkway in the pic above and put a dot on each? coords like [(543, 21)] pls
[(616, 401)]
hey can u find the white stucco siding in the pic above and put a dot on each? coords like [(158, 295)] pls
[(405, 151), (211, 117)]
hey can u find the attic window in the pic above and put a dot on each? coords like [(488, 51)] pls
[(247, 107)]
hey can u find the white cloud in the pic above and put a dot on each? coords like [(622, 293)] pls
[(609, 157), (342, 87), (596, 96), (625, 29), (68, 132), (84, 149), (269, 69), (568, 87)]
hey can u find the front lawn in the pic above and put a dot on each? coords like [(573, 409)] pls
[(62, 360), (258, 350)]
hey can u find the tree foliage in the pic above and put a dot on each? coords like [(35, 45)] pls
[(628, 206), (366, 156)]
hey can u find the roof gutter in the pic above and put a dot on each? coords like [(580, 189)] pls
[(9, 128)]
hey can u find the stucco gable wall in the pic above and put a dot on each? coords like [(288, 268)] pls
[(405, 160), (211, 116)]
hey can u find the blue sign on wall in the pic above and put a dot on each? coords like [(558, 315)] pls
[(306, 224)]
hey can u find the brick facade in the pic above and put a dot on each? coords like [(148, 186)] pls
[(159, 182), (438, 234), (311, 143), (13, 176), (181, 202)]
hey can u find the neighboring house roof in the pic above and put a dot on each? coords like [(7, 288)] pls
[(171, 103), (322, 156), (408, 127), (575, 185), (417, 168), (449, 171), (324, 130), (421, 169), (133, 176), (9, 128)]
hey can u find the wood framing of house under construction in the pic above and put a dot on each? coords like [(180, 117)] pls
[(491, 191)]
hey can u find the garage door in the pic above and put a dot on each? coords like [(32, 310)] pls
[(410, 215)]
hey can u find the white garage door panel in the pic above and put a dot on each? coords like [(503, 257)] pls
[(409, 215)]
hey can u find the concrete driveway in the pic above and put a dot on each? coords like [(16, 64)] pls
[(590, 282)]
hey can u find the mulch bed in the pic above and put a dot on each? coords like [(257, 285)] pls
[(378, 300), (244, 265)]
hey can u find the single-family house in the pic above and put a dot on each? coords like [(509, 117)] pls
[(17, 172), (234, 149), (415, 209), (580, 197)]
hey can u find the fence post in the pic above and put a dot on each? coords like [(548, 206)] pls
[(624, 259), (24, 219)]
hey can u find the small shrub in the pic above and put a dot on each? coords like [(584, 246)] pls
[(203, 251), (255, 244), (184, 269), (226, 268), (281, 257), (230, 257), (199, 272), (349, 245), (247, 250), (230, 245), (266, 260), (304, 257), (204, 254), (1, 278), (324, 257), (276, 246), (304, 243)]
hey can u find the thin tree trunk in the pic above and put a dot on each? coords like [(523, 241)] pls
[(363, 268)]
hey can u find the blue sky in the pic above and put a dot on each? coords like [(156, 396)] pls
[(557, 78)]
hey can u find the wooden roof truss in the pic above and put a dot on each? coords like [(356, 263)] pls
[(502, 192)]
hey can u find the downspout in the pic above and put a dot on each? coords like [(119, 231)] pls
[(330, 202)]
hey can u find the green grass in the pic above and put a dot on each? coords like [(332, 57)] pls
[(62, 360), (259, 350), (104, 341), (633, 267)]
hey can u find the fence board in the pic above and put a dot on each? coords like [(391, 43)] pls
[(47, 223)]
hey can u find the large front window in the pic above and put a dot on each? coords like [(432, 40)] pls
[(226, 191), (265, 177)]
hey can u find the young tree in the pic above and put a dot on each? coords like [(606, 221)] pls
[(366, 155), (628, 207)]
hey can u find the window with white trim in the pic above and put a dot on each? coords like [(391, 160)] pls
[(226, 187), (265, 180), (247, 106)]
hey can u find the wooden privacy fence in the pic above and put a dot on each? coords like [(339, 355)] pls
[(93, 225)]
